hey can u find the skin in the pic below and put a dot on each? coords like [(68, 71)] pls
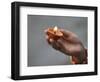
[(70, 45)]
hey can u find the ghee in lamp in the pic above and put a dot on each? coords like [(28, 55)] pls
[(54, 33)]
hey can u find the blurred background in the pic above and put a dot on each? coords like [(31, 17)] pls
[(40, 53)]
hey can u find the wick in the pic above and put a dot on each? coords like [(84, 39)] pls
[(55, 29)]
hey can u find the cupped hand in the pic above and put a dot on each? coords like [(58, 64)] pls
[(69, 44)]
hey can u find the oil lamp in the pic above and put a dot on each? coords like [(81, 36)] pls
[(54, 33)]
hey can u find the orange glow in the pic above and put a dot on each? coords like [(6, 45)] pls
[(55, 28)]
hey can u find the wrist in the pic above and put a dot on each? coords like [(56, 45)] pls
[(81, 58)]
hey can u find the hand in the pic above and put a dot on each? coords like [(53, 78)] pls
[(69, 44)]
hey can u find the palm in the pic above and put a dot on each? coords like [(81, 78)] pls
[(68, 44)]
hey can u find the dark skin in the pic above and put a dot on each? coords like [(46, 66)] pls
[(69, 44)]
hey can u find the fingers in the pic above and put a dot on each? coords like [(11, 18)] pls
[(63, 46), (53, 43), (47, 36), (61, 43), (57, 44), (66, 33)]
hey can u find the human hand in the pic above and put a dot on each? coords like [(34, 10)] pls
[(69, 44)]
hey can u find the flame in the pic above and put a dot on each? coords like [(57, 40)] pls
[(55, 28)]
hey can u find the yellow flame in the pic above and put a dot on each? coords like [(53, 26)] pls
[(55, 28)]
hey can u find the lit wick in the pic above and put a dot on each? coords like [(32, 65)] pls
[(55, 29)]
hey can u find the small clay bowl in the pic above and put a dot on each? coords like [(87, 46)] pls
[(54, 34)]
